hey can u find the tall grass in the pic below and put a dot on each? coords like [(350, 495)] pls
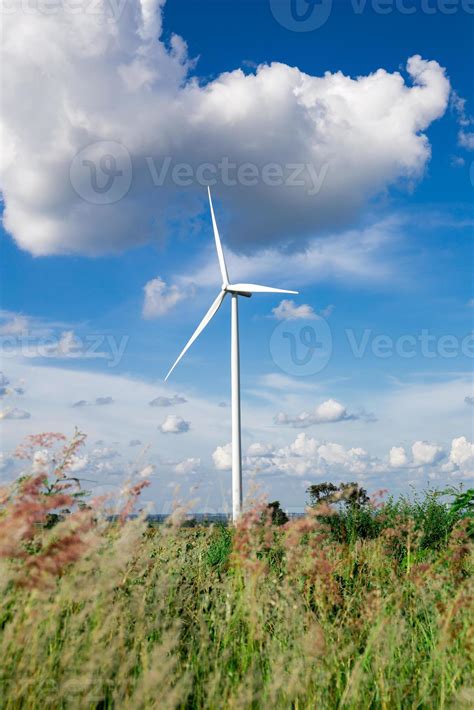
[(298, 616)]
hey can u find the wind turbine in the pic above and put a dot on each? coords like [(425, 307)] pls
[(235, 290)]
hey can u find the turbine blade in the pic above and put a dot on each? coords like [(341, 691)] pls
[(220, 253), (209, 315), (256, 288)]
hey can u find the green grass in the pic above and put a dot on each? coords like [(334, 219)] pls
[(353, 606), (257, 617)]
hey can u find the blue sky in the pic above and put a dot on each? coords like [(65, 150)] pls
[(381, 253)]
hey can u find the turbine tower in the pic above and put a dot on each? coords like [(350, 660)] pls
[(235, 290)]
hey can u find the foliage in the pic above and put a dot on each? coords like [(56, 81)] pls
[(300, 615), (351, 495), (278, 515), (463, 506)]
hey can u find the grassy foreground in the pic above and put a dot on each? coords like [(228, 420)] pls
[(99, 615)]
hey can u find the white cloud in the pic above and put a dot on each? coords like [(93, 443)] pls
[(462, 451), (425, 453), (329, 411), (458, 104), (466, 140), (257, 450), (222, 457), (160, 298), (174, 425), (398, 457), (14, 413), (288, 309), (328, 311), (308, 456), (187, 466), (457, 161), (427, 410), (167, 401), (147, 472), (116, 81), (357, 255), (13, 324), (68, 345)]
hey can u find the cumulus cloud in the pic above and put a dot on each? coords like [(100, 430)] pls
[(329, 411), (222, 457), (460, 463), (174, 425), (160, 298), (309, 457), (469, 400), (258, 450), (466, 140), (68, 345), (122, 100), (288, 309), (167, 401), (14, 413), (47, 339), (134, 442), (187, 466), (398, 457), (306, 455), (432, 458), (462, 451), (425, 453)]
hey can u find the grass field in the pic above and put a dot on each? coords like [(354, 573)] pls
[(349, 607)]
